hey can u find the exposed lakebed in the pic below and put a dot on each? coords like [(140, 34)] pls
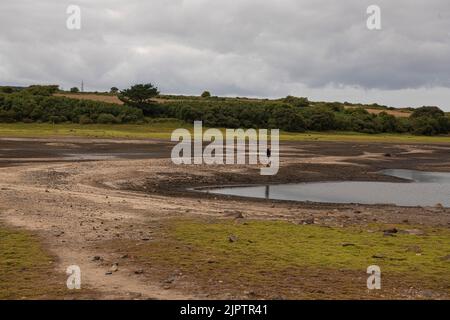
[(418, 189)]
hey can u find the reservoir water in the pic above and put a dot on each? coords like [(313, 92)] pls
[(420, 189)]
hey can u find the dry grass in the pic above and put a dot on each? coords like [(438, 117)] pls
[(395, 113), (91, 96)]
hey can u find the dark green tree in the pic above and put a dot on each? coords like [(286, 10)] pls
[(114, 90), (139, 96), (206, 94)]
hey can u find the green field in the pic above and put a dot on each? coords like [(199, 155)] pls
[(162, 130)]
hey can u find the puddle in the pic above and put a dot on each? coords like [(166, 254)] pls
[(422, 189), (102, 156)]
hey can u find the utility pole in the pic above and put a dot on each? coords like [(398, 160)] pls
[(82, 86)]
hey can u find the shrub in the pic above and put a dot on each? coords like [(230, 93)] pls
[(85, 120), (107, 118)]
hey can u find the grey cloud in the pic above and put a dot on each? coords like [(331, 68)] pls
[(245, 47)]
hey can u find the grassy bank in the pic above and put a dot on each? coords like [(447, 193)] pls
[(163, 130), (281, 259), (27, 271)]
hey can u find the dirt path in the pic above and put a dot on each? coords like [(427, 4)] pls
[(57, 202)]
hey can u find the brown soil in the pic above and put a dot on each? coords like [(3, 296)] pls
[(77, 204)]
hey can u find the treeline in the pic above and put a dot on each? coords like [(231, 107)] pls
[(37, 104), (293, 114), (288, 117)]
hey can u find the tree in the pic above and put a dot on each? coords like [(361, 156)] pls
[(39, 90), (6, 89), (301, 102), (114, 90), (427, 112), (206, 94), (139, 94), (74, 90)]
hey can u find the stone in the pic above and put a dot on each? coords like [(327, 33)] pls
[(415, 232), (232, 238), (347, 244), (414, 248), (393, 230), (114, 267), (308, 221)]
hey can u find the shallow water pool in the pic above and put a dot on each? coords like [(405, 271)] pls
[(420, 189)]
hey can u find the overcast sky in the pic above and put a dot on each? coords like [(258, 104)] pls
[(316, 48)]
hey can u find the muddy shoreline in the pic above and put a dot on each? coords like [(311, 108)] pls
[(132, 188)]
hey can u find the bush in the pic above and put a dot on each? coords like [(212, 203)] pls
[(107, 118), (85, 120), (297, 102)]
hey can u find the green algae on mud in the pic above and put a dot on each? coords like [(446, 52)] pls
[(27, 270), (275, 258)]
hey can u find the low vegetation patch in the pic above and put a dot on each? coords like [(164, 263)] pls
[(163, 128), (27, 271), (281, 259)]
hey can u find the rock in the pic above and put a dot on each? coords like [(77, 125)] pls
[(308, 221), (97, 258), (415, 232), (388, 155), (234, 214), (415, 248), (232, 238), (169, 280), (427, 294), (108, 273), (146, 239), (393, 230), (114, 267), (439, 205), (388, 234), (59, 233), (140, 271), (347, 244), (125, 256), (378, 256), (250, 293)]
